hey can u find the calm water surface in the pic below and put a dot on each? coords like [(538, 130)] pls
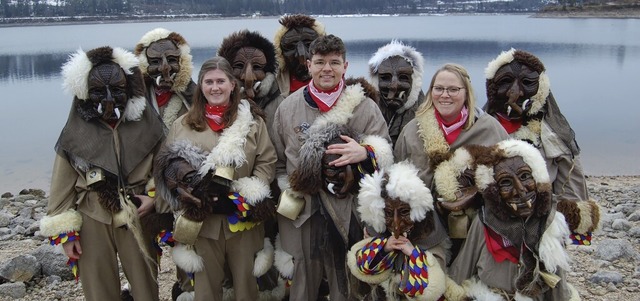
[(592, 63)]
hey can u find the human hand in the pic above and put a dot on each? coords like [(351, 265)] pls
[(146, 205), (72, 249), (350, 152), (402, 244)]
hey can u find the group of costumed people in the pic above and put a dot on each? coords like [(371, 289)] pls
[(273, 176)]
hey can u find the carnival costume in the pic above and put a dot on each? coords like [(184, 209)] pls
[(284, 76), (308, 248), (179, 96), (265, 93), (230, 228), (99, 166), (511, 257), (398, 119), (544, 126), (415, 277)]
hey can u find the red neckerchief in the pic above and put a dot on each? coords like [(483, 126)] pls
[(498, 248), (162, 98), (323, 107), (295, 84), (511, 125), (451, 137), (214, 116)]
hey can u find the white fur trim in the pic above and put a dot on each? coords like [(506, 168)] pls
[(370, 202), (277, 39), (186, 258), (382, 149), (538, 100), (134, 109), (586, 221), (530, 155), (405, 184), (283, 182), (186, 296), (552, 245), (454, 291), (351, 97), (520, 297), (484, 176), (411, 55), (264, 259), (64, 222), (505, 57), (575, 296), (355, 271), (447, 173), (75, 74), (125, 59), (480, 291), (530, 132), (283, 261), (230, 148), (253, 189), (186, 60)]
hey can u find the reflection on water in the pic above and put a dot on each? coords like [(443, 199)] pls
[(592, 75)]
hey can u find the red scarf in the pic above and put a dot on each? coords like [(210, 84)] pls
[(511, 125), (325, 99), (500, 248), (295, 84), (214, 116), (452, 136), (162, 97)]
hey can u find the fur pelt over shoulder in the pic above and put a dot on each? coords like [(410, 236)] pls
[(245, 38), (369, 89), (307, 178)]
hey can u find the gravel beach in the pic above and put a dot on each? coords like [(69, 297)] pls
[(607, 270)]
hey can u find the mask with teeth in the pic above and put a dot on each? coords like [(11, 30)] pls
[(395, 82), (513, 86), (516, 186), (397, 217), (164, 63), (249, 68), (108, 91), (339, 181)]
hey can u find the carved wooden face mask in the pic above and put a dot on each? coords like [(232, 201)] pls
[(248, 67), (108, 90), (397, 217), (395, 81), (164, 63), (339, 181), (295, 49), (516, 83), (516, 186)]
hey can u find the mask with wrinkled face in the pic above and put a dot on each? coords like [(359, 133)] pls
[(397, 217), (108, 90), (516, 186), (248, 67), (295, 49), (339, 181), (164, 63), (516, 83), (394, 82)]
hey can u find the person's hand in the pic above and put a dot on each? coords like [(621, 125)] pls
[(146, 205), (401, 244), (72, 249), (350, 152)]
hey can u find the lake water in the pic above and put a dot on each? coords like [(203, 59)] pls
[(593, 65)]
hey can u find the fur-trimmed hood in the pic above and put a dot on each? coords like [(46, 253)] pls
[(183, 78), (411, 55), (291, 21), (401, 182), (245, 38), (75, 74)]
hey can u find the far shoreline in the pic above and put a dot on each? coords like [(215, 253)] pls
[(88, 20)]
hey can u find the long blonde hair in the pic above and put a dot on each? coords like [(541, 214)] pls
[(470, 99)]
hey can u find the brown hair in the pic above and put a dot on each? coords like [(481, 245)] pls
[(195, 117), (329, 44)]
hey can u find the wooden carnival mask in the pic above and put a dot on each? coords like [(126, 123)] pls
[(164, 63)]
